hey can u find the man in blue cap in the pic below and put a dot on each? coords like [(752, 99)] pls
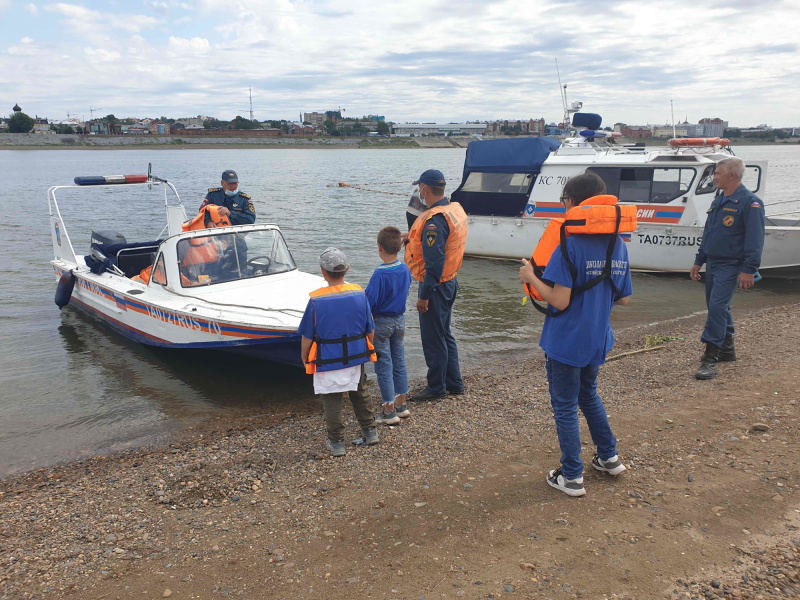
[(434, 252), (237, 206)]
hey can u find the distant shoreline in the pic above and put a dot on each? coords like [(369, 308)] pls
[(74, 142)]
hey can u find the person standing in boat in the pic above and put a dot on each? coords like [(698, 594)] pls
[(434, 252), (577, 340), (237, 206), (733, 239)]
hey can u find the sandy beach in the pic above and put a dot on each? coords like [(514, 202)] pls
[(452, 503)]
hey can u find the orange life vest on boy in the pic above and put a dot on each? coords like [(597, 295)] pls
[(454, 248), (341, 318), (596, 215)]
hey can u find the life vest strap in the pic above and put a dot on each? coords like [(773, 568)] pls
[(346, 356)]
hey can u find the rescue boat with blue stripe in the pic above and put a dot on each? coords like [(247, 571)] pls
[(249, 299), (511, 188)]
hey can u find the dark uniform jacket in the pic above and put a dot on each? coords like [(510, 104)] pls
[(734, 231), (240, 205)]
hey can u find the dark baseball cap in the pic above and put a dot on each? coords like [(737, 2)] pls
[(230, 177), (432, 177)]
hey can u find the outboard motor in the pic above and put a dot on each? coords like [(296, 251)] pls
[(107, 236), (64, 289)]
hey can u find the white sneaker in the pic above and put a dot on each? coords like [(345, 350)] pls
[(571, 487), (612, 466)]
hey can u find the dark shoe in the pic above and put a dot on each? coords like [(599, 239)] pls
[(335, 448), (708, 364), (426, 395), (571, 487), (459, 392), (370, 436), (727, 353)]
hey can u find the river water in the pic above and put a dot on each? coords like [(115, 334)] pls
[(71, 388)]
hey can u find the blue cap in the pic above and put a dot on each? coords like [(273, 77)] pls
[(431, 177), (230, 177)]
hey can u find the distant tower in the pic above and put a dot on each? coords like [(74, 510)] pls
[(16, 108), (251, 104)]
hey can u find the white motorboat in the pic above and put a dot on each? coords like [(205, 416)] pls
[(249, 301), (511, 189)]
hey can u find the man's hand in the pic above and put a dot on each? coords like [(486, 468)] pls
[(694, 273), (746, 280), (224, 212), (526, 274), (422, 305), (404, 238)]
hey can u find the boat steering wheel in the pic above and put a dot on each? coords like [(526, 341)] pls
[(258, 265)]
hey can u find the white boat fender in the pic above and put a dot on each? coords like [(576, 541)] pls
[(64, 289)]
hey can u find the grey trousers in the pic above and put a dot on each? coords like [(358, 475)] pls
[(362, 403)]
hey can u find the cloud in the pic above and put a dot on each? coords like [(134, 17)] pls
[(98, 55), (32, 8)]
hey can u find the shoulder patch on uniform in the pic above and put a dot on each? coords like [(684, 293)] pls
[(431, 225), (214, 189), (757, 204), (244, 195), (430, 236), (250, 207)]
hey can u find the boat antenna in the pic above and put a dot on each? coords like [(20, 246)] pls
[(563, 91), (672, 110)]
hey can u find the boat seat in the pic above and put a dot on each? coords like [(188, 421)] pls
[(128, 258), (132, 260)]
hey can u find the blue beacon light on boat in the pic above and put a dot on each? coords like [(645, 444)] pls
[(110, 179), (599, 134)]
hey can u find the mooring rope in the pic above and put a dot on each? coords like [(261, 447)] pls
[(374, 191)]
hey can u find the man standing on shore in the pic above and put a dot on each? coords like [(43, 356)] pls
[(733, 239), (434, 254), (237, 206)]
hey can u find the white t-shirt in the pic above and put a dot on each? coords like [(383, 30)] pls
[(340, 380)]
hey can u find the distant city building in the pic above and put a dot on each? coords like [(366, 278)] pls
[(635, 131), (443, 129), (713, 127), (519, 127)]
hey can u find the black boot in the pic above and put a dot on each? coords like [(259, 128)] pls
[(727, 353), (708, 364)]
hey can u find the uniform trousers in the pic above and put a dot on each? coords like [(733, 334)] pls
[(438, 343), (722, 279)]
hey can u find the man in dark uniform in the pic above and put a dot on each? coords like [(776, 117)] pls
[(733, 239), (238, 205), (434, 263)]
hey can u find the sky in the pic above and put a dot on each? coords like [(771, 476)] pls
[(409, 60)]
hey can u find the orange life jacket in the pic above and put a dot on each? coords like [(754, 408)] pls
[(596, 215), (349, 342), (202, 250), (454, 248)]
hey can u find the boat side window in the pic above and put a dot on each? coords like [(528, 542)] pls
[(498, 183), (706, 185), (645, 184), (670, 183), (752, 178), (159, 272)]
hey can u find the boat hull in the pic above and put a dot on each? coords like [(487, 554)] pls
[(652, 247), (144, 322)]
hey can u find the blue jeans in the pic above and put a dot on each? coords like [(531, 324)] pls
[(572, 388), (722, 279), (438, 344), (391, 366)]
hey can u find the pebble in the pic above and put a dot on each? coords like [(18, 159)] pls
[(167, 593)]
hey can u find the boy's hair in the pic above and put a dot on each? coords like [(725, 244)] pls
[(389, 239), (584, 186), (335, 274)]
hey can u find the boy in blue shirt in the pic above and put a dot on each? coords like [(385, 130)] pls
[(387, 292), (577, 342), (337, 331)]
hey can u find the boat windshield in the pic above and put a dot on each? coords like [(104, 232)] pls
[(226, 257)]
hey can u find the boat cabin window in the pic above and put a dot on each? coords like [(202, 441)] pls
[(159, 272), (752, 178), (499, 183), (706, 185), (499, 194), (211, 259), (646, 184)]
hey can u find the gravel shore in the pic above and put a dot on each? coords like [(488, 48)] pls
[(452, 503)]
